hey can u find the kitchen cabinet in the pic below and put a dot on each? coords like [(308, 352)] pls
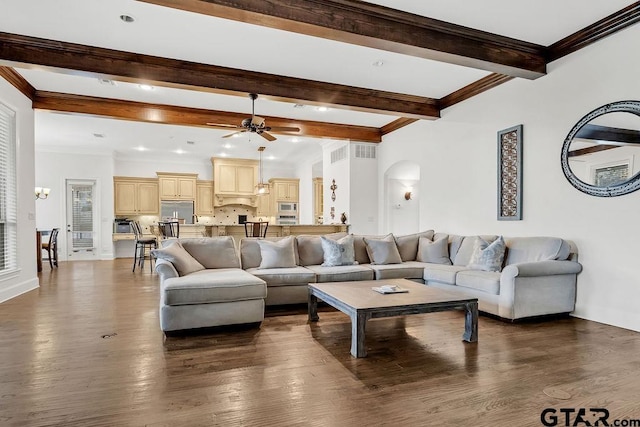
[(285, 189), (318, 200), (263, 206), (175, 186), (135, 196), (234, 181), (204, 198)]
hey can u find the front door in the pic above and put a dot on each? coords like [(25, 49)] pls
[(81, 222)]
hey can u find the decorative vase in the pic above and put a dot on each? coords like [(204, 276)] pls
[(343, 218)]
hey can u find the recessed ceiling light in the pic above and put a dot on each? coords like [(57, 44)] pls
[(145, 87), (141, 148), (298, 106), (227, 146), (294, 139), (223, 154), (271, 158), (235, 135), (378, 63), (322, 108), (127, 18), (179, 151), (107, 82)]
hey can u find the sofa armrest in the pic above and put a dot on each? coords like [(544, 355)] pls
[(542, 268), (165, 269)]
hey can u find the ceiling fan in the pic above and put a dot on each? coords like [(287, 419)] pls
[(255, 124)]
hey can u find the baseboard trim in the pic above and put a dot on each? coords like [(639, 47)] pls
[(19, 289)]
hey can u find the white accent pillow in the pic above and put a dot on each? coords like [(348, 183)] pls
[(487, 257), (179, 257), (338, 252), (279, 254), (436, 252), (383, 251)]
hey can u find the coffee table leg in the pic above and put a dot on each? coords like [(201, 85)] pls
[(471, 322), (313, 307), (358, 325)]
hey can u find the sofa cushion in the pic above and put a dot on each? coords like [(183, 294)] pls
[(435, 252), (280, 254), (182, 260), (342, 273), (442, 273), (213, 252), (211, 286), (338, 252), (406, 270), (310, 248), (487, 257), (531, 249), (486, 281), (383, 251), (284, 276), (250, 251), (361, 249), (408, 244), (463, 255)]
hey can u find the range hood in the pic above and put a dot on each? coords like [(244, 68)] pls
[(231, 199), (234, 181)]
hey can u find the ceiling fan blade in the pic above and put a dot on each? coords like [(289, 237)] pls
[(267, 136), (222, 125), (283, 129), (257, 121), (234, 133)]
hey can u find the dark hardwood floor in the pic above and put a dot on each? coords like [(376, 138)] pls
[(85, 349)]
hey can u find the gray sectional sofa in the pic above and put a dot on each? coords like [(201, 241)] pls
[(228, 286)]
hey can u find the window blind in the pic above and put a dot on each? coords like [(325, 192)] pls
[(8, 191)]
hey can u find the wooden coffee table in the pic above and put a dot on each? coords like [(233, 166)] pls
[(361, 303)]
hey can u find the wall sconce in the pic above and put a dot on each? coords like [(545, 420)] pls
[(407, 195), (42, 193)]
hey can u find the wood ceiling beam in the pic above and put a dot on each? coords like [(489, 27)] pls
[(607, 133), (26, 51), (19, 82), (172, 115), (379, 27), (591, 150)]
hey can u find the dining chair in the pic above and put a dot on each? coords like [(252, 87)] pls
[(256, 228), (52, 248), (141, 245)]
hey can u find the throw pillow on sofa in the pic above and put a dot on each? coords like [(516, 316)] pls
[(279, 254), (408, 244), (487, 257), (338, 252), (383, 251), (179, 257), (434, 252)]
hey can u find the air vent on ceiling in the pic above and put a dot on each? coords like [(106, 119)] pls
[(107, 82), (339, 154), (364, 151)]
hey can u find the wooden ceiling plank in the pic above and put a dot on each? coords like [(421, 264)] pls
[(396, 124), (379, 27), (26, 51), (173, 115), (605, 27), (19, 82), (473, 89)]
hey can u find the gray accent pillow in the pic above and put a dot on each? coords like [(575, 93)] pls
[(408, 244), (213, 252), (463, 255), (434, 252), (179, 257), (338, 252), (280, 254), (383, 251), (310, 248), (487, 257)]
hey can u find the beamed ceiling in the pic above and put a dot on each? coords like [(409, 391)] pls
[(377, 69)]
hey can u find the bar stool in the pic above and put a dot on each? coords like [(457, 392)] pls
[(169, 229), (52, 247), (256, 229), (141, 246)]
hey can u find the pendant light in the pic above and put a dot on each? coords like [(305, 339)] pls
[(262, 189)]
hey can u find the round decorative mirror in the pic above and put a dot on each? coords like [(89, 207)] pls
[(601, 154)]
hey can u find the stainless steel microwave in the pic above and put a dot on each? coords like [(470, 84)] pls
[(287, 208)]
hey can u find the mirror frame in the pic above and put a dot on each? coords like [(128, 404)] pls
[(626, 187)]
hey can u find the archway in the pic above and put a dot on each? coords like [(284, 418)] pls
[(402, 198)]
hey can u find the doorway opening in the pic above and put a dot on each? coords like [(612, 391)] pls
[(81, 220)]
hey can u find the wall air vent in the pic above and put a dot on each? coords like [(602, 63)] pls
[(339, 154), (365, 151)]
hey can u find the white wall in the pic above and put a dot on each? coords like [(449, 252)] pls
[(52, 170), (26, 277), (305, 205), (457, 155), (338, 171), (363, 193)]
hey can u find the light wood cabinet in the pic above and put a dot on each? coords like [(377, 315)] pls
[(135, 196), (174, 186), (285, 189), (204, 198), (318, 200), (263, 206), (234, 181)]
